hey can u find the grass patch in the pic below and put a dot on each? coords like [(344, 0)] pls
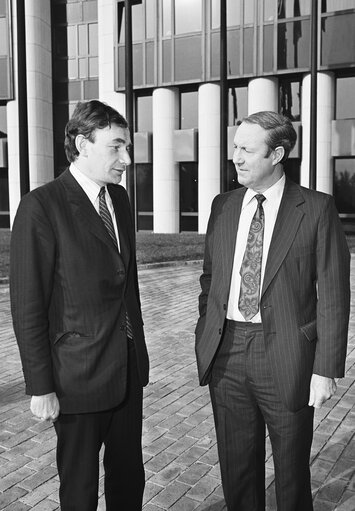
[(151, 248)]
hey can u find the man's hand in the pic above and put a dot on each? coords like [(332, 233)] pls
[(321, 389), (45, 407)]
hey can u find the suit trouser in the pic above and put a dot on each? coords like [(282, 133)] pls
[(80, 437), (244, 399)]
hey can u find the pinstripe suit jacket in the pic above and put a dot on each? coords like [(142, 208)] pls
[(69, 291), (305, 298)]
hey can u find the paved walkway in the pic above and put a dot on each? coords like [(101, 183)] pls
[(179, 442)]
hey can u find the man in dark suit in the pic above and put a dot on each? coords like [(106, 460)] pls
[(274, 310), (77, 315)]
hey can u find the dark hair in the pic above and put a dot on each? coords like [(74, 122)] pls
[(86, 119), (280, 131)]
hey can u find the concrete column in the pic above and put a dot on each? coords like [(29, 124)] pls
[(208, 151), (263, 94), (305, 118), (13, 149), (325, 115), (325, 109), (166, 207), (39, 91), (106, 41)]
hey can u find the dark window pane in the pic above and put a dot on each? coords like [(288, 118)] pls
[(90, 11), (293, 8), (268, 48), (292, 168), (144, 187), (144, 113), (344, 185), (231, 181), (150, 18), (91, 89), (74, 13), (248, 50), (335, 5), (345, 98), (188, 196), (215, 54), (149, 63), (137, 23), (237, 104), (166, 18), (167, 61), (189, 222), (188, 16), (233, 52), (188, 68), (137, 57), (290, 99), (121, 66), (74, 91), (338, 40), (4, 190), (293, 45), (189, 110), (93, 40), (83, 40), (145, 222)]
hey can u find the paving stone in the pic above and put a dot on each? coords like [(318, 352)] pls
[(171, 494)]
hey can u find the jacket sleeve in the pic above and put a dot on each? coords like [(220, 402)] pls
[(333, 306), (32, 264)]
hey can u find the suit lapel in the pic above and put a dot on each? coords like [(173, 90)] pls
[(83, 210), (287, 222)]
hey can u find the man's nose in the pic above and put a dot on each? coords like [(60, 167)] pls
[(237, 155), (125, 158)]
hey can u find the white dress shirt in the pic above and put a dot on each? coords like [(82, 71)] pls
[(271, 206), (92, 190)]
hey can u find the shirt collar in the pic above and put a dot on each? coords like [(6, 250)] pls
[(89, 186), (272, 194)]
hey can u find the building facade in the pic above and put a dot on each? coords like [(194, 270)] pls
[(55, 53)]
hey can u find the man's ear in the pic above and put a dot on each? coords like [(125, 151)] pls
[(279, 153), (81, 145)]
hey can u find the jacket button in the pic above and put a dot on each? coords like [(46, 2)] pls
[(220, 331), (224, 307)]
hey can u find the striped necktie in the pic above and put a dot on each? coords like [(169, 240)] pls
[(250, 270), (107, 220)]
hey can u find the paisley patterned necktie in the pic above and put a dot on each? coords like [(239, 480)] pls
[(107, 220), (250, 270)]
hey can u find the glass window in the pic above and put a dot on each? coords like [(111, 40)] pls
[(337, 5), (149, 65), (121, 67), (83, 40), (188, 68), (233, 13), (121, 23), (91, 89), (293, 48), (83, 68), (237, 104), (166, 18), (338, 40), (188, 16), (90, 11), (72, 69), (345, 98), (268, 48), (144, 113), (290, 99), (93, 67), (269, 10), (167, 61), (3, 37), (137, 22), (188, 196), (233, 52), (248, 57), (93, 39), (189, 110), (293, 8), (144, 196), (137, 57), (3, 121), (4, 92), (4, 191), (215, 55), (150, 18), (71, 34), (249, 12), (74, 13), (344, 185), (74, 91), (2, 7)]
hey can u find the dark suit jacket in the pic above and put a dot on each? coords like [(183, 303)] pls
[(69, 292), (305, 298)]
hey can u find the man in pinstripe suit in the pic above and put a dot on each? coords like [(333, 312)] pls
[(77, 315), (274, 311)]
